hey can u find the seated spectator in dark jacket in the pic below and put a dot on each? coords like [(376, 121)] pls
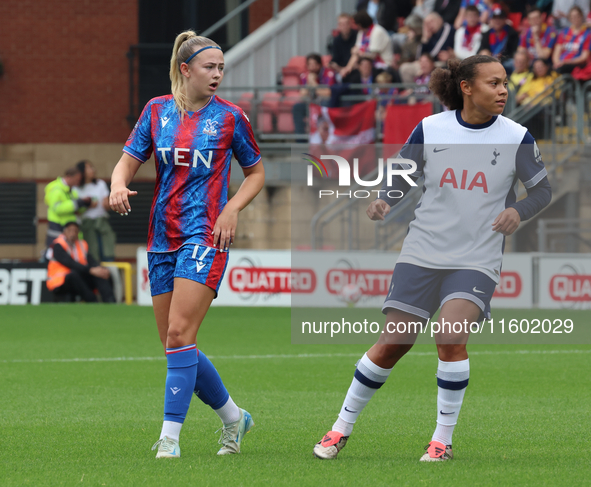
[(342, 43), (501, 41), (437, 41), (72, 271), (365, 74)]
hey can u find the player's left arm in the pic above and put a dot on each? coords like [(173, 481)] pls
[(248, 156), (224, 229), (532, 173)]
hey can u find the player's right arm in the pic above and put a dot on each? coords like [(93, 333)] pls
[(413, 150), (137, 150), (122, 175)]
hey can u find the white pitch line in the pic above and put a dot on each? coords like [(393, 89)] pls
[(294, 356)]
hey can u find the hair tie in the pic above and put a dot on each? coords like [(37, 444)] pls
[(197, 52)]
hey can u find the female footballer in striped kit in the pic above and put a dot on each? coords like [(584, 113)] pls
[(471, 158), (193, 135)]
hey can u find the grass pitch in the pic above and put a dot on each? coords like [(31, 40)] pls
[(82, 397)]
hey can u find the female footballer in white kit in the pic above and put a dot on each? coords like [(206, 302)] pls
[(471, 158)]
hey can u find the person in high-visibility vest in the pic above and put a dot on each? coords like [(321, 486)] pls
[(73, 271), (63, 203)]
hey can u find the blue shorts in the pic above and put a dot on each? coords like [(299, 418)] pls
[(421, 291), (198, 263)]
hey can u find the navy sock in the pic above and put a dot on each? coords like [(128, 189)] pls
[(182, 369), (208, 385)]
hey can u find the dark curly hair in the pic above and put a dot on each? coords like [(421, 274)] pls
[(445, 83)]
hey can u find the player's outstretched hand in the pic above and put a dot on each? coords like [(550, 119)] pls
[(119, 200), (225, 228), (377, 210), (507, 222)]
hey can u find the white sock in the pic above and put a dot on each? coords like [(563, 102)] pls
[(452, 380), (171, 429), (367, 380), (229, 412)]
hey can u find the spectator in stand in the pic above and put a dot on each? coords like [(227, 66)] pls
[(373, 41), (95, 221), (479, 4), (469, 36), (539, 39), (63, 204), (342, 44), (437, 40), (536, 84), (521, 71), (365, 74), (72, 271), (427, 65), (385, 95), (322, 135), (561, 11), (316, 75), (572, 46), (407, 45), (448, 9), (501, 41), (541, 77)]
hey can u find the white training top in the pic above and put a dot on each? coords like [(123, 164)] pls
[(471, 174), (97, 190)]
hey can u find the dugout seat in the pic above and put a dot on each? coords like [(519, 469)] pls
[(296, 65), (285, 123), (245, 102), (268, 110), (292, 81)]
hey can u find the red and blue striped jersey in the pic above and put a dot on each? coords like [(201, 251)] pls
[(547, 39), (498, 40), (573, 43), (193, 159)]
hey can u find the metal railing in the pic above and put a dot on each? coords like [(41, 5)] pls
[(291, 94)]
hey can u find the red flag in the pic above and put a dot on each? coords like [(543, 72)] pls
[(402, 119), (344, 125)]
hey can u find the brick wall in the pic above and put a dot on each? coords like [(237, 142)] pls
[(262, 11), (65, 70)]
